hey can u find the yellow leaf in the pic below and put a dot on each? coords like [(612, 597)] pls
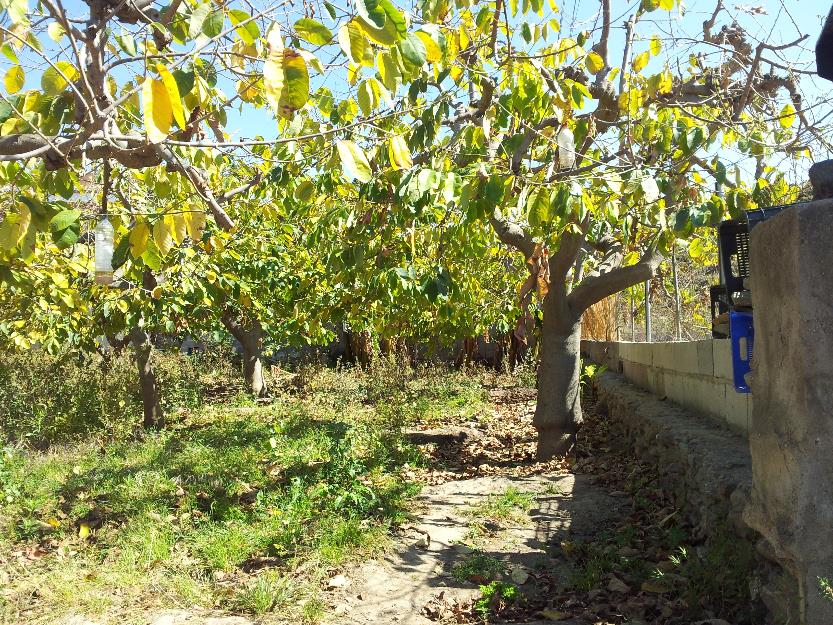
[(787, 116), (83, 530), (273, 75), (354, 162), (157, 110), (352, 40), (156, 293), (53, 522), (173, 94), (14, 79), (656, 45), (554, 615), (195, 223), (656, 586), (432, 49), (162, 237), (594, 62), (180, 228), (139, 237), (399, 154), (640, 62)]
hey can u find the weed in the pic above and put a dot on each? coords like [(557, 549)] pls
[(494, 597), (825, 588), (511, 505), (479, 568)]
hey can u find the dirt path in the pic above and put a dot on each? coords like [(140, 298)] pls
[(415, 585)]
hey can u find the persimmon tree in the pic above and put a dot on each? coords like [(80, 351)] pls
[(590, 154), (586, 151)]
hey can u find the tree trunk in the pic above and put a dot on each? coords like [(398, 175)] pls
[(558, 412), (253, 365), (251, 340), (154, 417)]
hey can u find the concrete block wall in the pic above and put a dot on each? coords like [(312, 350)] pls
[(694, 374)]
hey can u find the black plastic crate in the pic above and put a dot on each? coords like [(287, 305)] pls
[(734, 253)]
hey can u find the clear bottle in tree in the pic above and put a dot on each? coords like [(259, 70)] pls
[(104, 251), (566, 148)]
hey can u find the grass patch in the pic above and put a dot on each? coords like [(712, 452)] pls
[(239, 507), (479, 568), (510, 506)]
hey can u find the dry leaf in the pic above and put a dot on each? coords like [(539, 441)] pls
[(554, 615)]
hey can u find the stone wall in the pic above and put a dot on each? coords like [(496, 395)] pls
[(695, 374)]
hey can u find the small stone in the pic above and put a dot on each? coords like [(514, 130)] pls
[(617, 585), (339, 581), (519, 575)]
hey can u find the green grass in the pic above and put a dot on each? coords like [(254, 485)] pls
[(479, 567), (511, 505), (239, 507)]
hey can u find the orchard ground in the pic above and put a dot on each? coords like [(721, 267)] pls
[(384, 495)]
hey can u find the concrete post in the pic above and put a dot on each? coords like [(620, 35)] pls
[(791, 431)]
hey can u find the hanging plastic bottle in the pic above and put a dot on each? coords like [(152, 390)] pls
[(566, 148), (104, 251)]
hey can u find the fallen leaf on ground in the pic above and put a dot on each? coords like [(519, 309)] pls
[(554, 615)]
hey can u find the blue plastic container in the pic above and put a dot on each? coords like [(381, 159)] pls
[(743, 337)]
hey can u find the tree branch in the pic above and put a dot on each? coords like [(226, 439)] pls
[(595, 288), (513, 234)]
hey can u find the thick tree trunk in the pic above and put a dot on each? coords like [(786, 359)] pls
[(154, 417), (251, 340), (253, 366), (558, 413)]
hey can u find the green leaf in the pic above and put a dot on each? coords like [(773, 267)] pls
[(53, 82), (394, 29), (120, 253), (371, 12), (354, 162), (296, 83), (64, 219), (152, 258), (213, 24), (127, 43), (413, 50), (197, 18), (184, 81), (250, 31), (14, 79), (313, 31), (388, 71), (65, 228)]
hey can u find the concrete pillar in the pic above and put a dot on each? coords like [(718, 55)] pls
[(791, 430)]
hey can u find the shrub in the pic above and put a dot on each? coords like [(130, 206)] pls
[(49, 399)]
